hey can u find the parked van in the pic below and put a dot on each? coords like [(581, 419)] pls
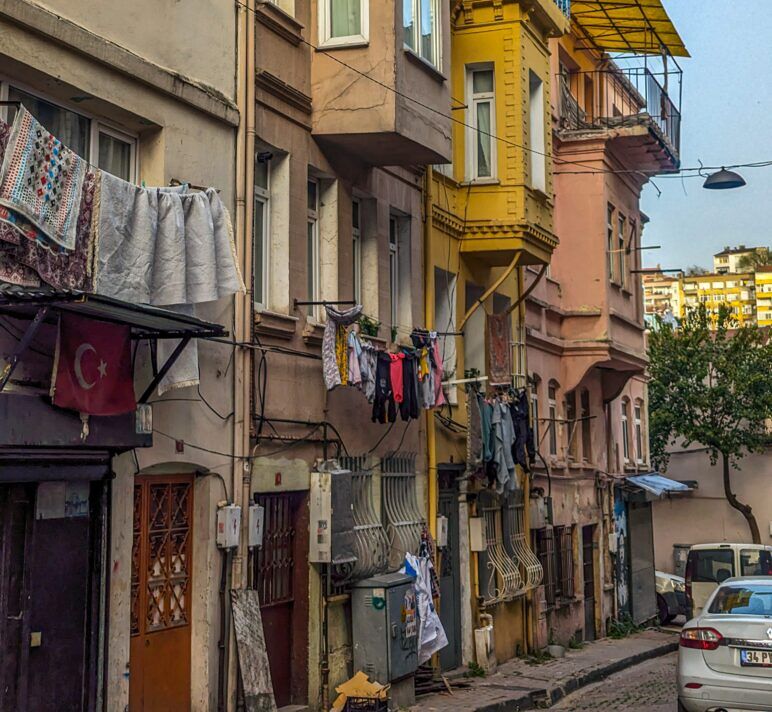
[(709, 565)]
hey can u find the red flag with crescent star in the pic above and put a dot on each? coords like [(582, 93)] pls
[(92, 369)]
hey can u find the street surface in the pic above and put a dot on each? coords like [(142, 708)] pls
[(648, 687)]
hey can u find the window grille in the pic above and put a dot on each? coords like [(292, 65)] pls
[(399, 502), (516, 543), (372, 546), (564, 558), (545, 551), (500, 578)]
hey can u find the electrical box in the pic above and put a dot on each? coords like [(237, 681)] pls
[(612, 542), (331, 538), (385, 627), (477, 534), (256, 523), (442, 532), (228, 526)]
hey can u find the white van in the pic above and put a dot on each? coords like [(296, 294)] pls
[(708, 565)]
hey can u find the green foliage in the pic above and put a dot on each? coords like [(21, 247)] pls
[(472, 373), (712, 387), (623, 627), (369, 326), (753, 260), (538, 657), (574, 643), (474, 670)]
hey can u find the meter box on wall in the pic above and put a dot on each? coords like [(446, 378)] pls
[(332, 519), (385, 627)]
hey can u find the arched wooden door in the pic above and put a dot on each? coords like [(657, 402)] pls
[(161, 594)]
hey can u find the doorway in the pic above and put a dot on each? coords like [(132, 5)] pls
[(449, 570), (280, 572), (588, 570), (161, 594)]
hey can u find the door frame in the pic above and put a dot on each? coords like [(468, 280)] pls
[(448, 489)]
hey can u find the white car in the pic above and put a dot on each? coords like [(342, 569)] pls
[(725, 653)]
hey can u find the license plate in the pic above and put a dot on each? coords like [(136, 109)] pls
[(756, 658)]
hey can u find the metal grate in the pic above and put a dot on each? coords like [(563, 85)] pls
[(500, 571), (564, 554), (545, 551), (372, 545), (399, 502), (516, 542), (275, 560)]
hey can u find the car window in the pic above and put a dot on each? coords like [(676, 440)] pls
[(711, 565), (755, 562), (752, 600)]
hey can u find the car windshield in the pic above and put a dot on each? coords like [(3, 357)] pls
[(755, 562), (711, 565), (749, 599)]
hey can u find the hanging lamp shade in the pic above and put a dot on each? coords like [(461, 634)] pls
[(723, 180)]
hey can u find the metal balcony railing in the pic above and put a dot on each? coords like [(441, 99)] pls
[(618, 97)]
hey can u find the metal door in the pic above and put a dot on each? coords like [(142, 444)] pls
[(642, 577), (161, 594), (16, 502), (449, 569), (588, 570), (278, 574)]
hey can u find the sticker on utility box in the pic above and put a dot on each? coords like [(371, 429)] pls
[(409, 614)]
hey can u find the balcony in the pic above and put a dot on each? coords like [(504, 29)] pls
[(624, 102), (564, 6)]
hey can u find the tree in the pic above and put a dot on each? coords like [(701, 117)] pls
[(760, 257), (695, 270), (712, 388)]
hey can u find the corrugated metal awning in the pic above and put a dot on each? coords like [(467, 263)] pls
[(656, 484), (634, 26)]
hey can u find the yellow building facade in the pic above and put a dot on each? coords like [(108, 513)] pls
[(489, 215), (764, 296)]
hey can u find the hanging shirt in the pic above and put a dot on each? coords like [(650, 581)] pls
[(354, 353), (504, 438), (396, 376), (408, 408), (439, 394), (335, 346), (384, 409)]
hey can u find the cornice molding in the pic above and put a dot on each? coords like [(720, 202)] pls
[(281, 90)]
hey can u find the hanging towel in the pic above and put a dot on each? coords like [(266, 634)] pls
[(330, 364), (499, 335)]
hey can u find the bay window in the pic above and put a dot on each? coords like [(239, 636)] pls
[(343, 22), (481, 146)]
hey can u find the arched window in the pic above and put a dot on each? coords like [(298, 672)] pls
[(626, 430), (552, 411)]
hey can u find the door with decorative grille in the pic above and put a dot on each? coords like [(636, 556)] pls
[(161, 593), (588, 574), (281, 569)]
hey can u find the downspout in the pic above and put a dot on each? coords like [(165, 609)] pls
[(429, 296)]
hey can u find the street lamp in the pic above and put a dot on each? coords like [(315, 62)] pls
[(723, 180)]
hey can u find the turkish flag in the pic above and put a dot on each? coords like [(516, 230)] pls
[(92, 369)]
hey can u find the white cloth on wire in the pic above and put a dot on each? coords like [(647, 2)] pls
[(431, 634)]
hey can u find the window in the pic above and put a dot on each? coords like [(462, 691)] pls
[(394, 270), (343, 22), (553, 417), (755, 562), (261, 234), (564, 560), (573, 444), (621, 249), (625, 430), (535, 410), (544, 547), (743, 599), (586, 423), (312, 254), (637, 423), (110, 150), (420, 21), (709, 565), (610, 239), (536, 133), (481, 147), (356, 249)]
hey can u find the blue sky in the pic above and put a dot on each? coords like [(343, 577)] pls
[(727, 118)]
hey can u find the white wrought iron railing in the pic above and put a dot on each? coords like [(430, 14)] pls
[(517, 541), (501, 575), (399, 502)]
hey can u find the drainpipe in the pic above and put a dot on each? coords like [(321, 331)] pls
[(431, 441)]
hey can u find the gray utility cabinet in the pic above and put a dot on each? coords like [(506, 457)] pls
[(385, 627)]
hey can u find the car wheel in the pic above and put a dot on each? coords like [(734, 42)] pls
[(663, 615)]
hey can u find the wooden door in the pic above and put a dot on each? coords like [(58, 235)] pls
[(16, 504), (588, 569), (161, 594)]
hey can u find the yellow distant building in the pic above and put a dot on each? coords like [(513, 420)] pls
[(764, 296)]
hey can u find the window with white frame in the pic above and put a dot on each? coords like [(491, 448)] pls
[(626, 430), (638, 424), (261, 231), (621, 229), (610, 210), (536, 133), (356, 249), (552, 403), (312, 249), (394, 270), (421, 26), (108, 148), (343, 22), (481, 146)]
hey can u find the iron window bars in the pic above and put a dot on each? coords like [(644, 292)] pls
[(500, 578), (516, 542), (399, 502)]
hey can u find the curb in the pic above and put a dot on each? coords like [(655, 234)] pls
[(548, 697)]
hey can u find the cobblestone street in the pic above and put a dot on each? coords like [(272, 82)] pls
[(648, 687)]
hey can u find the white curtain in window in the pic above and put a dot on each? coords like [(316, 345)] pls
[(345, 17), (483, 139), (408, 23)]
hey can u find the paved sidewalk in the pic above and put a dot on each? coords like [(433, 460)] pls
[(518, 685)]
